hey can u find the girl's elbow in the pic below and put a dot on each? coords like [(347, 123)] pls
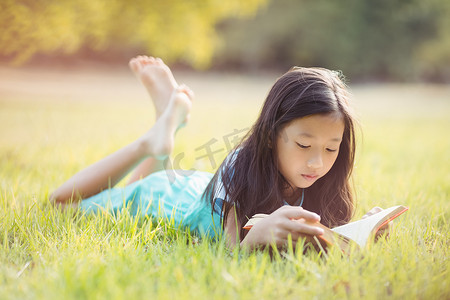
[(57, 197), (54, 197)]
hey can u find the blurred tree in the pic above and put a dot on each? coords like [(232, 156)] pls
[(433, 57), (172, 29), (384, 39)]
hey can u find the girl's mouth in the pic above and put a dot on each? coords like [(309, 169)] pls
[(310, 177)]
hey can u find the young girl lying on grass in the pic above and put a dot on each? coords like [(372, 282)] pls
[(294, 164)]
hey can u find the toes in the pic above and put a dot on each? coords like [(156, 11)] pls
[(131, 62), (143, 60), (139, 61), (159, 61), (148, 60), (134, 64)]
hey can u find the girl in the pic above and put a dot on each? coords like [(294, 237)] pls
[(294, 164)]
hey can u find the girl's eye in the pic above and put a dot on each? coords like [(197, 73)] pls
[(303, 146), (331, 150)]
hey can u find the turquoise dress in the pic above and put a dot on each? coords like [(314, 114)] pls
[(173, 195)]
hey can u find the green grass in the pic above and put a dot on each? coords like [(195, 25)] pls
[(403, 158)]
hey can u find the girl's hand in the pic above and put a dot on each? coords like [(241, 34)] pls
[(385, 229), (285, 221)]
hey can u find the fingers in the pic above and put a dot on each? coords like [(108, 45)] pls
[(295, 232), (386, 226), (301, 221), (384, 231), (284, 222), (373, 211), (296, 213), (301, 227), (297, 220)]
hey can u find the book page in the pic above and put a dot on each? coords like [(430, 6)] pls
[(359, 231)]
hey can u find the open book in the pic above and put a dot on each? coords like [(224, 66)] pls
[(354, 234)]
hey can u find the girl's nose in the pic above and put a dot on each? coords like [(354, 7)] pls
[(315, 162)]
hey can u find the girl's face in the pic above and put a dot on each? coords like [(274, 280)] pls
[(308, 147)]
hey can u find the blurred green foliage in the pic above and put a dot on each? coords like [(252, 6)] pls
[(384, 39), (172, 29)]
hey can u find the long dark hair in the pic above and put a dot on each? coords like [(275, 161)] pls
[(252, 181)]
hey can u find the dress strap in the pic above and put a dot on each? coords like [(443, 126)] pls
[(301, 199)]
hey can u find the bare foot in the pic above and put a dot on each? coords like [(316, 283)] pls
[(159, 140), (157, 79)]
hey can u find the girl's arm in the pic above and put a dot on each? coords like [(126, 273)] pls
[(102, 174), (274, 229)]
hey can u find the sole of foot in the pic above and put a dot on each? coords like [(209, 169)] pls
[(157, 78)]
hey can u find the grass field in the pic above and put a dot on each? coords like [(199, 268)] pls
[(53, 123)]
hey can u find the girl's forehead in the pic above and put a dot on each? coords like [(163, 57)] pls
[(329, 125)]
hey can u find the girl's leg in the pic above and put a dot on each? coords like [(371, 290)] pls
[(156, 143), (160, 83)]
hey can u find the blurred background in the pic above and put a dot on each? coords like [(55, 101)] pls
[(385, 40)]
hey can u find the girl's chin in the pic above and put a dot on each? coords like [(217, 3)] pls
[(304, 186), (307, 184), (302, 183)]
